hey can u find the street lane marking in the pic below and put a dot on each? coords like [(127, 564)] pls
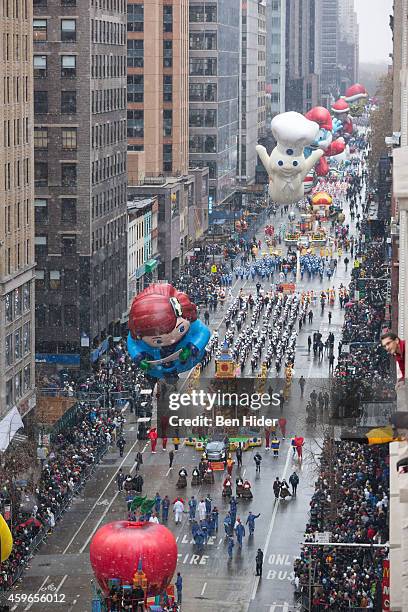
[(271, 525), (203, 589)]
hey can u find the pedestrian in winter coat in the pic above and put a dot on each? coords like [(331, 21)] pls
[(259, 562), (276, 487), (294, 481)]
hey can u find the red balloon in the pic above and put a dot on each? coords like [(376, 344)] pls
[(320, 115), (117, 547)]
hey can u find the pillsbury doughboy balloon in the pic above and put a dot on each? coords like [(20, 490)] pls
[(287, 166)]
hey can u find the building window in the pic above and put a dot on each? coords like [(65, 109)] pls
[(203, 118), (40, 174), (68, 244), (135, 53), (9, 307), (135, 17), (55, 279), (70, 279), (69, 139), (9, 350), (167, 158), (9, 393), (68, 30), (17, 302), (167, 122), (54, 314), (40, 102), (68, 210), (70, 315), (39, 30), (68, 175), (40, 138), (26, 338), (135, 87), (167, 53), (68, 66), (203, 67), (135, 124), (40, 243), (40, 66), (26, 297), (167, 88), (27, 377), (201, 41), (167, 18), (68, 102), (200, 92), (40, 314), (200, 13), (40, 280), (18, 385), (40, 210), (17, 345)]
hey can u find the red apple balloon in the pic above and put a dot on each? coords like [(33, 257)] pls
[(117, 547)]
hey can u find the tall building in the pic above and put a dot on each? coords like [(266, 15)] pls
[(158, 84), (275, 57), (214, 78), (80, 176), (329, 81), (158, 129), (302, 55), (17, 221), (251, 90), (348, 47)]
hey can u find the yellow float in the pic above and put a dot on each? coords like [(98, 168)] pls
[(6, 540)]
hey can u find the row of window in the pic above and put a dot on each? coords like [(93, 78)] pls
[(56, 315), (14, 259), (135, 18), (68, 208), (69, 174), (203, 41), (18, 385), (15, 132), (203, 92), (109, 233), (135, 123), (108, 133), (14, 9), (68, 30), (117, 6), (15, 46), (62, 2), (107, 167), (203, 13), (106, 100), (17, 302), (67, 135), (67, 278), (68, 102), (135, 53), (20, 217), (18, 344), (68, 66), (203, 67), (108, 66), (16, 174), (15, 90), (108, 32), (201, 143), (68, 245), (107, 271), (199, 117), (108, 200)]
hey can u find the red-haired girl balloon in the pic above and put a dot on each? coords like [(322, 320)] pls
[(165, 335)]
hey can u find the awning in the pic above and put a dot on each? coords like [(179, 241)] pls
[(9, 426), (150, 265)]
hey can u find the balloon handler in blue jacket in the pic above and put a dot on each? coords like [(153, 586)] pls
[(165, 335)]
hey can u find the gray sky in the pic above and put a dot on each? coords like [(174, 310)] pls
[(375, 34)]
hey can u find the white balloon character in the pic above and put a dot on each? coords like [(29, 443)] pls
[(287, 166)]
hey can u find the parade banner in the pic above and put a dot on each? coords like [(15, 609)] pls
[(385, 585), (217, 466)]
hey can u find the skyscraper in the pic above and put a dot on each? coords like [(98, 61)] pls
[(275, 56), (251, 89), (158, 128), (302, 55), (80, 176), (214, 76), (348, 49), (17, 221), (329, 82)]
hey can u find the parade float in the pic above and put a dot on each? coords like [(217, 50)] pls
[(134, 561), (321, 202)]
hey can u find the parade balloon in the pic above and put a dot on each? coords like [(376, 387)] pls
[(6, 540), (287, 166), (355, 92), (165, 334), (117, 549), (341, 217)]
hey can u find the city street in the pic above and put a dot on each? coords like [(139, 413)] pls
[(61, 566)]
